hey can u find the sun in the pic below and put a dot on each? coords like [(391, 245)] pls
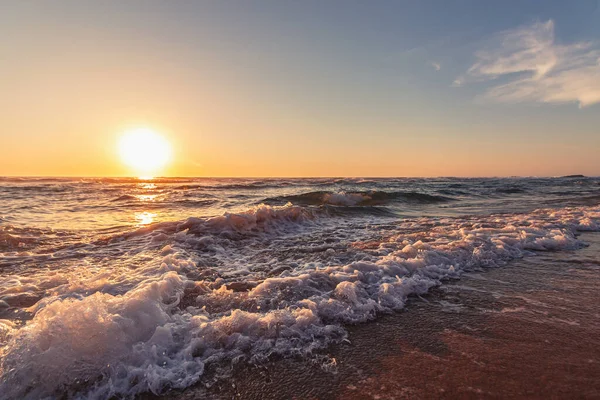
[(144, 151)]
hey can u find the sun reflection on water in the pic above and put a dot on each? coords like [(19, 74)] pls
[(145, 218), (147, 185), (146, 197)]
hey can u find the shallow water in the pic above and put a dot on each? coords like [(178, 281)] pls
[(120, 287)]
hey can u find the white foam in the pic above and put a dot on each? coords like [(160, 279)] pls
[(124, 331), (345, 199), (261, 217)]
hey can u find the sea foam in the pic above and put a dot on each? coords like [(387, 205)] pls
[(159, 326)]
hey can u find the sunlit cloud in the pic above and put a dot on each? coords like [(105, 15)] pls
[(537, 68), (436, 66)]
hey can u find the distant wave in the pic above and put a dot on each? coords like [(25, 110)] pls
[(350, 211), (125, 197), (40, 188), (21, 238), (237, 186), (364, 198), (510, 190), (188, 187), (187, 202), (196, 202)]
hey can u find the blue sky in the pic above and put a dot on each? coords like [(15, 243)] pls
[(359, 88)]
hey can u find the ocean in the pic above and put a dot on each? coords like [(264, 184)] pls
[(115, 287)]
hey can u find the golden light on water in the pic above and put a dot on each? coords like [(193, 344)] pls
[(145, 218), (144, 151), (146, 197)]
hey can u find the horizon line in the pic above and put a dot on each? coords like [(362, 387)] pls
[(293, 177)]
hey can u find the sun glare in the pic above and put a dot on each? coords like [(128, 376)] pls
[(144, 151)]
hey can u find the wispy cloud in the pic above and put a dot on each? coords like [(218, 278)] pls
[(537, 68), (436, 66)]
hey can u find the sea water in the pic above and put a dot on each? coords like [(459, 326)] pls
[(116, 287)]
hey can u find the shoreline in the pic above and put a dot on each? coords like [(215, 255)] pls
[(528, 329)]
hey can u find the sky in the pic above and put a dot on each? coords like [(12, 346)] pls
[(302, 88)]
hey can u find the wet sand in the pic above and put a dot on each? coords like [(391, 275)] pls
[(530, 329)]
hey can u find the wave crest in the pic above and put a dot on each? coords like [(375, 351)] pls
[(364, 198), (260, 218)]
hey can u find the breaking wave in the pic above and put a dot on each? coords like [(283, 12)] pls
[(280, 289), (260, 219)]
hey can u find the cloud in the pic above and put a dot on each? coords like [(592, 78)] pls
[(537, 68), (436, 66)]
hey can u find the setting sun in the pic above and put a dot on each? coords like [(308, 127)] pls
[(144, 151)]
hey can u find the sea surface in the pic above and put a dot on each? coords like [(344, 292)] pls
[(123, 287)]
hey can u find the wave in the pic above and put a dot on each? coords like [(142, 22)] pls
[(259, 219), (263, 218), (349, 211), (364, 198), (188, 187), (181, 319), (39, 188), (14, 238), (511, 190), (125, 197), (196, 202), (214, 184)]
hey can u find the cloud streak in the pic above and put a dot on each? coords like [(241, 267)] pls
[(537, 69)]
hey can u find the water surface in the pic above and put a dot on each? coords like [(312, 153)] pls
[(116, 287)]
